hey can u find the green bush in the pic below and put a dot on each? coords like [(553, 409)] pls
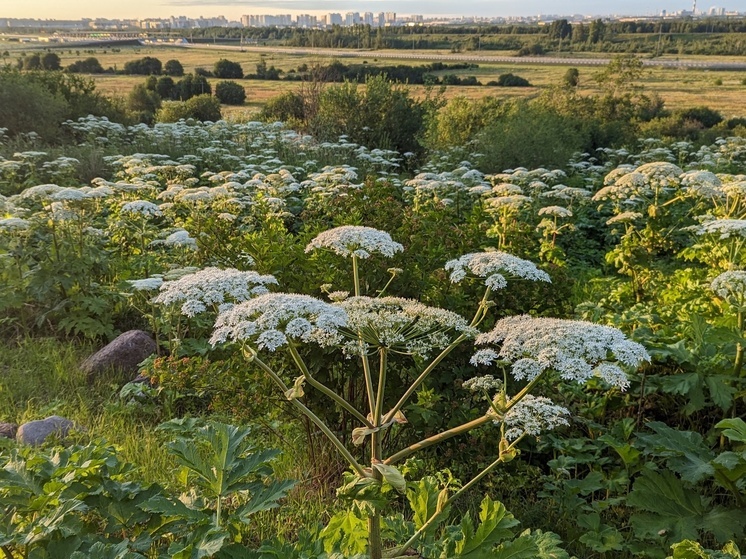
[(50, 61), (26, 106), (143, 103), (230, 93), (190, 86), (511, 80), (173, 68), (90, 65), (227, 70), (201, 107), (143, 66)]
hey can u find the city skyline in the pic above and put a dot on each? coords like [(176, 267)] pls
[(234, 9)]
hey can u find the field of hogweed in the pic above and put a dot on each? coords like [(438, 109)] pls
[(359, 356)]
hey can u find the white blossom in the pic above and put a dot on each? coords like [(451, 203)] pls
[(401, 325), (14, 224), (731, 286), (146, 284), (534, 415), (624, 217), (725, 227), (356, 240), (494, 267), (143, 208), (270, 319), (555, 211), (486, 383), (180, 238), (576, 350), (212, 286)]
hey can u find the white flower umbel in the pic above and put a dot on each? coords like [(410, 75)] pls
[(555, 211), (577, 350), (494, 267), (726, 228), (180, 238), (14, 224), (213, 287), (271, 319), (146, 284), (731, 287), (624, 217), (486, 383), (401, 325), (355, 240), (534, 415), (143, 208)]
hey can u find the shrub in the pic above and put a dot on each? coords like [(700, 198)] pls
[(227, 70), (32, 62), (165, 87), (173, 68), (230, 93), (143, 102), (201, 107), (190, 86), (90, 65), (26, 105), (50, 61), (143, 66), (511, 80), (706, 116), (571, 78)]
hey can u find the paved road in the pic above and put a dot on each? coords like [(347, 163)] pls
[(552, 60)]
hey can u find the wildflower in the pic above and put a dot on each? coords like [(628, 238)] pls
[(142, 207), (213, 286), (726, 227), (355, 240), (180, 238), (731, 286), (272, 319), (555, 211), (494, 266), (13, 224), (624, 217), (576, 350), (533, 415), (486, 383), (146, 284), (402, 325)]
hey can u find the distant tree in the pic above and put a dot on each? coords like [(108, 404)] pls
[(90, 65), (571, 78), (50, 61), (143, 66), (165, 87), (143, 103), (227, 70), (597, 31), (32, 62), (560, 29), (511, 80), (190, 86), (201, 107), (26, 105), (230, 93), (173, 68), (151, 82)]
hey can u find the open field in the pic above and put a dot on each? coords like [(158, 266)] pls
[(679, 87)]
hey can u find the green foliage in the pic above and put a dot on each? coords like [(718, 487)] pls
[(230, 93), (143, 66), (90, 65), (201, 107), (143, 102), (173, 68), (50, 61), (26, 106), (511, 80), (190, 86), (227, 70)]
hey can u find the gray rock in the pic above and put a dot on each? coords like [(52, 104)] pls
[(122, 355), (8, 430), (34, 432)]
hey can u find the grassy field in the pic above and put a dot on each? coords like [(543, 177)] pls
[(679, 88)]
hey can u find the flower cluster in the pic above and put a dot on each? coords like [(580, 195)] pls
[(486, 383), (350, 240), (213, 286), (533, 415), (555, 211), (731, 286), (272, 319), (725, 227), (143, 208), (576, 350), (494, 267), (401, 325)]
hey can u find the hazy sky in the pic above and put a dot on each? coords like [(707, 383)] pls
[(233, 9)]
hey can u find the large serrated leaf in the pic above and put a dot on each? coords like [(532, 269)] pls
[(686, 452), (495, 526)]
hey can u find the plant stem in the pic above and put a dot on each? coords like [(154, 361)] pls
[(430, 521), (374, 520), (738, 365), (314, 418), (356, 275), (435, 439), (326, 390), (478, 316)]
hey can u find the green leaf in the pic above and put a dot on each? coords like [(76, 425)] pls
[(693, 550), (721, 390), (264, 497), (423, 499), (495, 526), (599, 537), (734, 429), (686, 452), (392, 476), (346, 532)]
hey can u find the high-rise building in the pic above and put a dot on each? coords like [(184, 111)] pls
[(334, 19), (390, 18)]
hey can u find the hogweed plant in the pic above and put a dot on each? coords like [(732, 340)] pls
[(377, 330)]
